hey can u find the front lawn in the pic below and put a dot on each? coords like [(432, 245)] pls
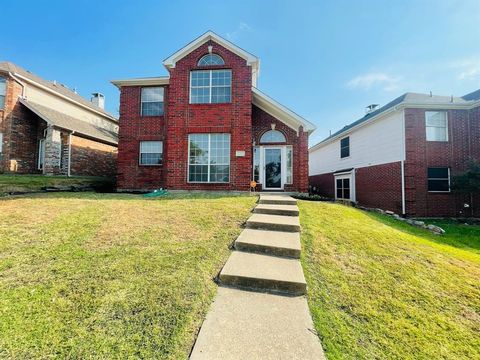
[(86, 275), (381, 289)]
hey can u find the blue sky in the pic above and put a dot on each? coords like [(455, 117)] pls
[(326, 60)]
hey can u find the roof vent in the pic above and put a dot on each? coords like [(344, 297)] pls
[(98, 99), (370, 108)]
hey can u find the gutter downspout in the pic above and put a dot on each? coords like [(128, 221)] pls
[(18, 81), (69, 153)]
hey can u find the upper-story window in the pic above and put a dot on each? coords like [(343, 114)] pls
[(152, 101), (210, 86), (211, 59), (345, 147), (436, 125), (273, 136), (3, 91)]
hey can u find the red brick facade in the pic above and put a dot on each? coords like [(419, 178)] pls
[(380, 186), (22, 131), (239, 118), (462, 146)]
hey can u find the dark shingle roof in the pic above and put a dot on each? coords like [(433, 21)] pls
[(59, 88)]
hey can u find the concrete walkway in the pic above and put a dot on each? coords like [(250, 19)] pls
[(260, 311)]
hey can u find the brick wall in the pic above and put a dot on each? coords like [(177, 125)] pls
[(92, 158), (323, 185), (262, 122), (133, 129), (463, 135), (184, 118), (378, 186)]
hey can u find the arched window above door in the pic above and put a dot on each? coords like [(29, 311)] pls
[(273, 136), (211, 59)]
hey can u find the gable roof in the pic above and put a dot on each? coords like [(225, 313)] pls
[(58, 88), (251, 59), (280, 112), (64, 121), (408, 100)]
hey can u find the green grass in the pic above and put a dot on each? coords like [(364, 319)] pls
[(86, 275), (29, 183), (381, 289)]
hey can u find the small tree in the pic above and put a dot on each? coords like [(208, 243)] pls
[(468, 182)]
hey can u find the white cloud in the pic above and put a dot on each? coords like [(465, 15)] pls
[(242, 27), (468, 68), (375, 79)]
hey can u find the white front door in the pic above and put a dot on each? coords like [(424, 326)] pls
[(274, 167)]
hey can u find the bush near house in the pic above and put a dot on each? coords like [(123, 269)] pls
[(381, 289), (110, 276)]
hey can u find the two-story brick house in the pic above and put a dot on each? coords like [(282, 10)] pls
[(47, 128), (206, 126), (402, 156)]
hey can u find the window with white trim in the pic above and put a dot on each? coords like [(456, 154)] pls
[(3, 91), (211, 59), (342, 187), (345, 147), (152, 101), (439, 179), (289, 179), (210, 86), (151, 153), (272, 136), (436, 125), (209, 158)]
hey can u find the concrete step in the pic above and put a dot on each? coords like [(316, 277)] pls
[(274, 222), (277, 243), (277, 200), (273, 209), (263, 272), (252, 325)]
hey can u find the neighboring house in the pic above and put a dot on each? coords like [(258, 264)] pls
[(206, 126), (403, 156), (46, 128)]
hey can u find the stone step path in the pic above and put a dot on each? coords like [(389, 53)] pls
[(289, 210), (260, 311)]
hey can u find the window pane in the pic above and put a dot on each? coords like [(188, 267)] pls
[(152, 94), (198, 173), (339, 193), (221, 77), (219, 173), (198, 149), (436, 118), (346, 194), (152, 108), (345, 142), (151, 152), (289, 165), (436, 134), (345, 152), (200, 95), (339, 183), (438, 185), (256, 164), (200, 78), (220, 95), (346, 183), (438, 173), (273, 136), (211, 59), (2, 101)]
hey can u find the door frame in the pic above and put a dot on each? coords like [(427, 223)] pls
[(283, 166), (41, 155)]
